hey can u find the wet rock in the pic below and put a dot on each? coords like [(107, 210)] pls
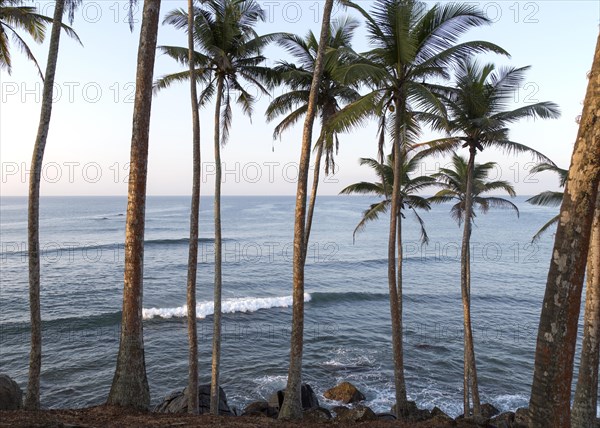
[(488, 410), (11, 395), (344, 392), (503, 420), (440, 416), (412, 413), (319, 414), (260, 408), (522, 417), (309, 398), (176, 402), (355, 414), (386, 417)]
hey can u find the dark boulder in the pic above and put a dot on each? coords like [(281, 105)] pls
[(522, 417), (386, 417), (344, 392), (488, 410), (11, 395), (319, 414), (176, 402), (355, 414), (503, 420), (412, 413), (309, 398), (260, 408)]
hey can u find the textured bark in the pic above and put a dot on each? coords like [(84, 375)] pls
[(292, 406), (313, 199), (194, 219), (130, 385), (470, 369), (553, 371), (32, 397), (586, 393), (216, 343), (395, 266), (328, 112)]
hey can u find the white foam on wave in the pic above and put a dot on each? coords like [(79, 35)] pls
[(228, 306)]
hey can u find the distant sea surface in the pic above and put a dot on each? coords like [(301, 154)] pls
[(347, 328)]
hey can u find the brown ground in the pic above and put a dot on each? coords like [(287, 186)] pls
[(103, 416)]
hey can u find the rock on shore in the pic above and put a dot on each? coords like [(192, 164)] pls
[(11, 395)]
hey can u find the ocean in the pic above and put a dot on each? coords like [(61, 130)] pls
[(347, 328)]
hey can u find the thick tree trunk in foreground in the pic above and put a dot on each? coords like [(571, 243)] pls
[(395, 266), (194, 219), (32, 397), (553, 371), (586, 393), (470, 368), (130, 385), (216, 342), (292, 406)]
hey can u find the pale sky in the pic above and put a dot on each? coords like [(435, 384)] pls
[(90, 133)]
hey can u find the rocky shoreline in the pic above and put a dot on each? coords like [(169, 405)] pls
[(351, 409)]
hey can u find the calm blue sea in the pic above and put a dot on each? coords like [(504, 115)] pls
[(347, 312)]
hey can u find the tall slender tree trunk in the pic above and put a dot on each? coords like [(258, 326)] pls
[(586, 393), (32, 397), (292, 405), (395, 276), (130, 385), (470, 368), (313, 198), (327, 114), (194, 220), (549, 405), (216, 342)]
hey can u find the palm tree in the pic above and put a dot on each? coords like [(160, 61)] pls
[(549, 405), (194, 226), (32, 397), (586, 393), (413, 45), (229, 52), (130, 385), (292, 404), (14, 16), (332, 92), (408, 197), (548, 198), (466, 184), (477, 107), (454, 188), (585, 401)]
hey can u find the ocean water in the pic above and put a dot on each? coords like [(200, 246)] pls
[(347, 330)]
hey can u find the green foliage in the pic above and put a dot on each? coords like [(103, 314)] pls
[(411, 186), (228, 48), (548, 198), (454, 188), (297, 76), (13, 17)]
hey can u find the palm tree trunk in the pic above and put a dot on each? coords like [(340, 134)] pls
[(292, 405), (216, 342), (586, 392), (130, 385), (327, 114), (470, 369), (393, 274), (32, 398), (549, 405), (401, 383), (313, 198), (194, 219)]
